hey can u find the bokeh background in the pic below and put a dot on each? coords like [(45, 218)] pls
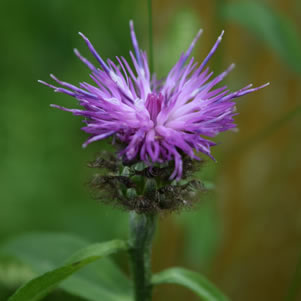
[(245, 235)]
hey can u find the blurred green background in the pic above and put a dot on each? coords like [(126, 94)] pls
[(246, 233)]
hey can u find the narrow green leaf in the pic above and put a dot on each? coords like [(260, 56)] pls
[(192, 280), (270, 26), (100, 280), (37, 288)]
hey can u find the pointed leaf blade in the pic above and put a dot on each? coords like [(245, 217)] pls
[(192, 280), (94, 282)]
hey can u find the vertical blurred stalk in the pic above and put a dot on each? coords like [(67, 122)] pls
[(218, 59), (150, 34)]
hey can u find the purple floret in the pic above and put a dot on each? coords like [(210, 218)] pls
[(158, 122)]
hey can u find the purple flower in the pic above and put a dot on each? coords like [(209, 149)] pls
[(158, 121)]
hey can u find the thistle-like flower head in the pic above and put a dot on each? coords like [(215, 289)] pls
[(157, 121)]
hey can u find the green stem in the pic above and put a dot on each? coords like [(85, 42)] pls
[(142, 228), (219, 25), (150, 34)]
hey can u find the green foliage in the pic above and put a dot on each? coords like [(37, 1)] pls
[(46, 254), (49, 255), (192, 280), (275, 29), (13, 273)]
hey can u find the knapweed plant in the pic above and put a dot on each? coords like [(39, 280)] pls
[(159, 129)]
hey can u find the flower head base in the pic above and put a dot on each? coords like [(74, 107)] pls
[(136, 187), (156, 121)]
